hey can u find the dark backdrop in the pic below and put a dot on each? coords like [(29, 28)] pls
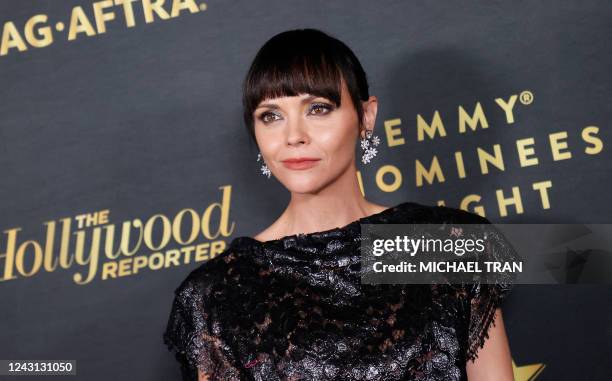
[(142, 121)]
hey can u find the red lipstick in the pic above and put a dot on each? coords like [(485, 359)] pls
[(300, 162)]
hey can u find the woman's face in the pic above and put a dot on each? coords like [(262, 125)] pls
[(311, 127)]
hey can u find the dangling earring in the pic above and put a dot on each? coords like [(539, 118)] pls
[(264, 168), (368, 144)]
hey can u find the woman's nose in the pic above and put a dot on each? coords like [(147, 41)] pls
[(297, 131)]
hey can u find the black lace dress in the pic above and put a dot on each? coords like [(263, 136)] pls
[(294, 309)]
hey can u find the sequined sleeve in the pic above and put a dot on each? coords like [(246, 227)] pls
[(190, 333), (486, 296)]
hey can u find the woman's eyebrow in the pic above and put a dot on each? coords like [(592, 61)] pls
[(275, 106)]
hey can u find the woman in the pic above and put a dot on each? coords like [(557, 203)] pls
[(286, 304)]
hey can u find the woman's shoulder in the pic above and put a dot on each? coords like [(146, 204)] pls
[(211, 272), (439, 214), (192, 323), (413, 212)]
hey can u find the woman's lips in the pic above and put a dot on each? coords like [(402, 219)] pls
[(300, 163)]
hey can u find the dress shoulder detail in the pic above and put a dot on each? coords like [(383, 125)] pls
[(192, 329)]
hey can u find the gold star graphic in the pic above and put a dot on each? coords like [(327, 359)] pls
[(527, 372)]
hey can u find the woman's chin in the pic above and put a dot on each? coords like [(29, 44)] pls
[(302, 184)]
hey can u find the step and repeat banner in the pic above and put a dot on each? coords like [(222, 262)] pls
[(125, 164)]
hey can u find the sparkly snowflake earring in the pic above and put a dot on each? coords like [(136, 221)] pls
[(264, 168), (368, 144)]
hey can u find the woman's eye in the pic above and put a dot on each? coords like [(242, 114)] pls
[(315, 109), (264, 117), (320, 108)]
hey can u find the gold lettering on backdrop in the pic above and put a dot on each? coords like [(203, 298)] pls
[(392, 132), (102, 17), (542, 187), (478, 117), (460, 164), (557, 145), (490, 159), (503, 202), (470, 202), (496, 159), (79, 23), (38, 30), (434, 171), (11, 39), (508, 107), (142, 244), (392, 172), (436, 126), (588, 136), (524, 151)]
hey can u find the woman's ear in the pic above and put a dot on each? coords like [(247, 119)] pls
[(370, 108)]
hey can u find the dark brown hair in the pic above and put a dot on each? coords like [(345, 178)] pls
[(303, 61)]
